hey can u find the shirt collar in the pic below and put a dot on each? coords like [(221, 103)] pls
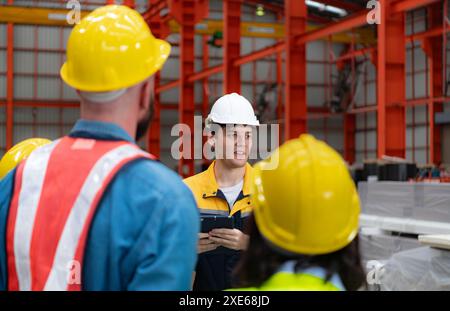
[(99, 130), (289, 267), (211, 188)]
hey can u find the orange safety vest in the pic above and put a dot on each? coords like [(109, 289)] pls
[(56, 193)]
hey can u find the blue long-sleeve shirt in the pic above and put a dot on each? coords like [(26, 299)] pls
[(144, 233)]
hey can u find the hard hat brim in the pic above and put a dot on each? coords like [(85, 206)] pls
[(219, 121)]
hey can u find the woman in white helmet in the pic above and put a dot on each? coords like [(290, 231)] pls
[(224, 189)]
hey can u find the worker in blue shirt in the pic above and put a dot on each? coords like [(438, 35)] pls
[(91, 211)]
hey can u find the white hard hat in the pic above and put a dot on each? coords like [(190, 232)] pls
[(232, 109)]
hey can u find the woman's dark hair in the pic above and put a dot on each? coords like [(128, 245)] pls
[(260, 261)]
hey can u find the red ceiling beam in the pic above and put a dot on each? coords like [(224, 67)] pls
[(205, 73), (358, 19), (352, 54), (408, 5), (155, 7), (366, 109), (349, 6), (248, 58), (432, 32), (167, 86), (353, 21)]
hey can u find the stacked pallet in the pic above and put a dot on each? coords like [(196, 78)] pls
[(394, 214), (417, 201)]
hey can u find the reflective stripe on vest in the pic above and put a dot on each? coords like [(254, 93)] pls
[(56, 192)]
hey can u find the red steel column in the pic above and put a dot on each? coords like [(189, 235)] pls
[(349, 137), (205, 87), (187, 106), (280, 90), (295, 111), (154, 134), (433, 49), (231, 45), (391, 124), (349, 118), (9, 83), (187, 13)]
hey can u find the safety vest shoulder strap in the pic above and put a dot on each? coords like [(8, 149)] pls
[(56, 192)]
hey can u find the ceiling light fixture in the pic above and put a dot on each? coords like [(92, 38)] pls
[(260, 10), (326, 8)]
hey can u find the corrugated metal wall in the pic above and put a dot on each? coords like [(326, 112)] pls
[(38, 56), (417, 133), (366, 123)]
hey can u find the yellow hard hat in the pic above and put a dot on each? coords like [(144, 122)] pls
[(19, 152), (110, 49), (308, 204)]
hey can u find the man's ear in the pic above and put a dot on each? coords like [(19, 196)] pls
[(211, 139)]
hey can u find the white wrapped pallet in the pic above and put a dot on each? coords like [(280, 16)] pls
[(379, 246), (419, 201), (391, 199), (432, 202), (423, 268)]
